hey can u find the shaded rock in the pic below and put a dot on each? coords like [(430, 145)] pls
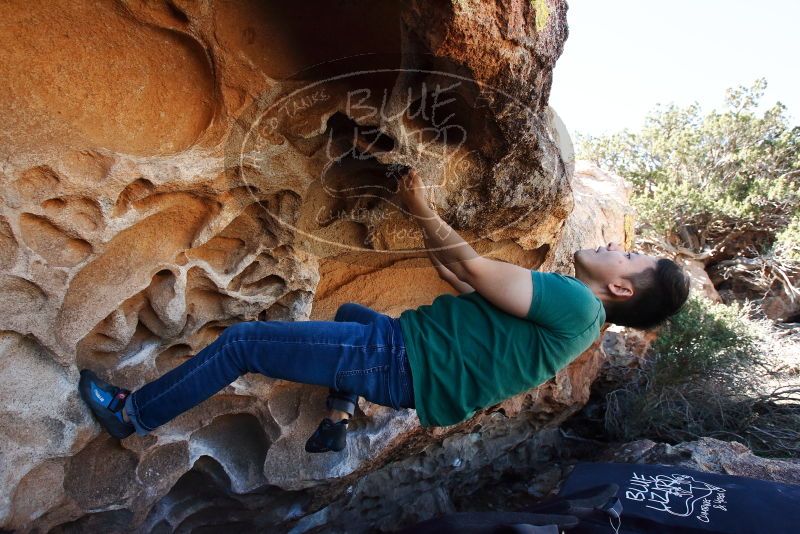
[(160, 467), (40, 420), (101, 474)]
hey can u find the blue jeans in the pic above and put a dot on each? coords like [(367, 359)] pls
[(360, 353)]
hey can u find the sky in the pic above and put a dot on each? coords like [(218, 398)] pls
[(624, 56)]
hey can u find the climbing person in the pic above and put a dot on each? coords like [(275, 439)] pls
[(508, 330)]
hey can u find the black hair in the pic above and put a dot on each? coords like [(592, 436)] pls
[(658, 293)]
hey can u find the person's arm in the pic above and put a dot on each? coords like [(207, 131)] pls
[(448, 276), (507, 286), (440, 239), (445, 273)]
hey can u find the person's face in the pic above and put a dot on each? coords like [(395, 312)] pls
[(605, 267)]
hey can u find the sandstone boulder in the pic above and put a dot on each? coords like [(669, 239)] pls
[(172, 167)]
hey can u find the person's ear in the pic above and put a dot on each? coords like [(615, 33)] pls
[(621, 288)]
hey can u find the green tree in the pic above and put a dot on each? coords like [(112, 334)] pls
[(690, 169)]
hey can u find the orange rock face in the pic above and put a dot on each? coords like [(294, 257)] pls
[(90, 74), (173, 167)]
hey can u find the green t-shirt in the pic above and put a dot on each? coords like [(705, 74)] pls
[(466, 354)]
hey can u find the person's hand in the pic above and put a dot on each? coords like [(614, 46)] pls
[(413, 192)]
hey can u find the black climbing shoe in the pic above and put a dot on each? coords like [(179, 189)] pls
[(106, 402), (329, 436)]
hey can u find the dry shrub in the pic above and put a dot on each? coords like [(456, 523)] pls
[(711, 372)]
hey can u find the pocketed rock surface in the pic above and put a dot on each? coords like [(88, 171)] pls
[(170, 168)]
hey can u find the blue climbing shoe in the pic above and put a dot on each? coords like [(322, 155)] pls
[(106, 402), (329, 436)]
